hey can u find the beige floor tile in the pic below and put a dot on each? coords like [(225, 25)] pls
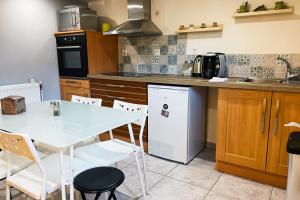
[(241, 188), (159, 165), (124, 163), (278, 194), (131, 186), (216, 196), (171, 189), (196, 173)]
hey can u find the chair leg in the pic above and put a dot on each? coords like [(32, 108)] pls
[(145, 170), (8, 192), (112, 195), (97, 196), (82, 195)]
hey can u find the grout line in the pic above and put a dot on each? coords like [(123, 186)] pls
[(271, 193)]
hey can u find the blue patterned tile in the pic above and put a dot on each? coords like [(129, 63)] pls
[(231, 60), (163, 60), (172, 39), (172, 49), (164, 50), (155, 41), (256, 60), (155, 60), (141, 68), (155, 69), (172, 69), (141, 50), (163, 40), (256, 71), (243, 60), (164, 69), (132, 41), (280, 63), (148, 50), (148, 69), (181, 49), (181, 59), (190, 58), (269, 72), (172, 60)]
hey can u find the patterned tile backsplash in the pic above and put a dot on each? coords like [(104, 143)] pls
[(166, 55)]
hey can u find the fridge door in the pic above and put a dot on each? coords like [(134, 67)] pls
[(167, 126)]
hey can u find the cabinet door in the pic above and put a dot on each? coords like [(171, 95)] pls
[(243, 123), (285, 109)]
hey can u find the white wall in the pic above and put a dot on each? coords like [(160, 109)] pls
[(27, 44), (275, 34)]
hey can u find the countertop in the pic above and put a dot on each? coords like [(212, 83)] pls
[(193, 81)]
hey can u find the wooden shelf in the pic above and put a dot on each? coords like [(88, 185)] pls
[(266, 12), (197, 29)]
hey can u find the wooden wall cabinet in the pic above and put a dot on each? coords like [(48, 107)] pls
[(132, 92), (69, 87), (251, 136)]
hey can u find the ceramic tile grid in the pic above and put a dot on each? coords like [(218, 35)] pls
[(169, 180), (166, 55)]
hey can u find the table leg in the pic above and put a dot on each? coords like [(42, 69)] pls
[(71, 173), (62, 174), (137, 160)]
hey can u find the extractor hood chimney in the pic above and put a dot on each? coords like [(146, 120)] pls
[(139, 21)]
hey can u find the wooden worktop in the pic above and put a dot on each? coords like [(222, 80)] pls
[(192, 81)]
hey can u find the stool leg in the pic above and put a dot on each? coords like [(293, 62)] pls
[(112, 195), (82, 196), (97, 196)]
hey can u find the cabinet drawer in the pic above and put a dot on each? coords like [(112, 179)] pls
[(124, 86), (75, 83), (122, 95), (67, 92)]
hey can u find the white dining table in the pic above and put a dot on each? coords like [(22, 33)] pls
[(77, 123)]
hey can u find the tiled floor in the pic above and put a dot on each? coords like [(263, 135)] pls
[(196, 181)]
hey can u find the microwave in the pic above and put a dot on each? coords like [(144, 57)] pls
[(74, 18)]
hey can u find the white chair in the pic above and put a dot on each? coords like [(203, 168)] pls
[(39, 179), (114, 150), (86, 100), (17, 163)]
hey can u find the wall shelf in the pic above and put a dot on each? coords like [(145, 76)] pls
[(289, 10), (198, 29)]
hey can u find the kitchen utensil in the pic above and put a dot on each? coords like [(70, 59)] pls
[(187, 69), (197, 66)]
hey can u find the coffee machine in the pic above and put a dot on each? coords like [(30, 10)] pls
[(213, 65)]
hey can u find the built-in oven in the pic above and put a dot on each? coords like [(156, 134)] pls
[(72, 55)]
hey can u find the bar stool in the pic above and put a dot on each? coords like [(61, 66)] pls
[(98, 180)]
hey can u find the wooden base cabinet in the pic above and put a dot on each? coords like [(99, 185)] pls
[(132, 92), (251, 135), (285, 109), (69, 87)]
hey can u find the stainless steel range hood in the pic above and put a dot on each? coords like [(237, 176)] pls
[(139, 22)]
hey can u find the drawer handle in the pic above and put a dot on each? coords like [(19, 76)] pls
[(276, 121), (114, 97), (263, 116), (116, 86)]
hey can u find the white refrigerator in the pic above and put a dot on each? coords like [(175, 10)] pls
[(176, 127)]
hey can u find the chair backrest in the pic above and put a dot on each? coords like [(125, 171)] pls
[(121, 105), (86, 100), (18, 144)]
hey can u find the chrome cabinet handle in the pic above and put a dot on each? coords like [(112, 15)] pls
[(115, 97), (69, 47), (276, 117), (263, 116), (117, 86)]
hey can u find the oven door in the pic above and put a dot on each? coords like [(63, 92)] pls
[(72, 61)]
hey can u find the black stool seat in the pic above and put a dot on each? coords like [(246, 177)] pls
[(98, 180)]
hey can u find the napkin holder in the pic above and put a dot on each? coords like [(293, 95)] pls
[(13, 105)]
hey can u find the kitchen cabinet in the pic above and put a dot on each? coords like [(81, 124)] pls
[(132, 92), (243, 120), (251, 134), (285, 109), (69, 87)]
